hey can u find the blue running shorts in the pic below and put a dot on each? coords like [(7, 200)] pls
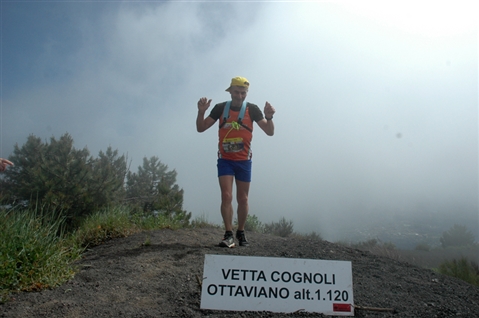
[(241, 170)]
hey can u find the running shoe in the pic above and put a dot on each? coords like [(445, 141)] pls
[(228, 240), (241, 238)]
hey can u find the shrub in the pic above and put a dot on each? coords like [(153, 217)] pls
[(463, 269), (253, 224), (282, 228), (313, 236)]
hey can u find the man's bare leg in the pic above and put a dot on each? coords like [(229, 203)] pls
[(242, 190), (226, 186)]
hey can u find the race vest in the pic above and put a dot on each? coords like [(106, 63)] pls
[(235, 134)]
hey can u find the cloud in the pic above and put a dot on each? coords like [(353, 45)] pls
[(371, 118)]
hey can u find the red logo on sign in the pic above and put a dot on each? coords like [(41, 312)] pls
[(342, 307)]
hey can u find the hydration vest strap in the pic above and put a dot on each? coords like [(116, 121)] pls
[(226, 113), (242, 111)]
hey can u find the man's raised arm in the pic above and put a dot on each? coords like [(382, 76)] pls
[(267, 123), (203, 123)]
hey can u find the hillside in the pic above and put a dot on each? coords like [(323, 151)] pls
[(154, 274)]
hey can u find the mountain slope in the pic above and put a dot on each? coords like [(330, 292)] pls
[(156, 274)]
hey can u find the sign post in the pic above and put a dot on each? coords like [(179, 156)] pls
[(277, 284)]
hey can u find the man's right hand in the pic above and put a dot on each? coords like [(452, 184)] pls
[(203, 104), (203, 123)]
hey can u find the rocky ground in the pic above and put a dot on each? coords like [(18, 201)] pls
[(156, 274)]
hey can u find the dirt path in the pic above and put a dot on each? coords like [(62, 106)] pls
[(154, 274)]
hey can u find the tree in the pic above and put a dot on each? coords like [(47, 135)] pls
[(458, 235), (26, 166), (57, 176), (51, 174), (109, 171), (154, 188)]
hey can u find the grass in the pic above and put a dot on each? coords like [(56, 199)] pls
[(119, 222), (104, 225), (34, 253), (202, 222)]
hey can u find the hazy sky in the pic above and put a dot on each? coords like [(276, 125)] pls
[(376, 103)]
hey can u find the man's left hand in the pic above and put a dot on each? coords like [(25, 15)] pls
[(269, 110)]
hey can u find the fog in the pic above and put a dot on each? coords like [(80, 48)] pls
[(376, 104)]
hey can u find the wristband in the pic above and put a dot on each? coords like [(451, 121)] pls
[(268, 118)]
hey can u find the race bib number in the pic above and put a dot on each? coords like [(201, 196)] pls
[(233, 144)]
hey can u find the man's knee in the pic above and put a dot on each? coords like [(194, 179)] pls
[(226, 197), (242, 200)]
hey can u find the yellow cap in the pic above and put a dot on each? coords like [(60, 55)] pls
[(238, 81)]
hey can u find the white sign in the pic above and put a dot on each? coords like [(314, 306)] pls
[(277, 284)]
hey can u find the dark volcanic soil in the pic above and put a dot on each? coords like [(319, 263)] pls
[(128, 278)]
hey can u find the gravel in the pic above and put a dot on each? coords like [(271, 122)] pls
[(157, 274)]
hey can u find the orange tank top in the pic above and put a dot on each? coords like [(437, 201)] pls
[(235, 139)]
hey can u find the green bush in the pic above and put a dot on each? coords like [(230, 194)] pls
[(463, 269), (253, 224), (282, 228)]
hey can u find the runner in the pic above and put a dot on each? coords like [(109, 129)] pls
[(236, 119)]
